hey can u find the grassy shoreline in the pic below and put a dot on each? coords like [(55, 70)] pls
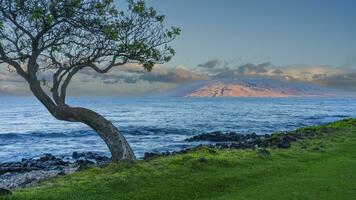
[(320, 166)]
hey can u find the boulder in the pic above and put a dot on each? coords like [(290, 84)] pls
[(84, 164), (76, 155), (149, 155), (90, 156), (5, 192), (48, 157), (212, 151), (216, 137), (283, 143)]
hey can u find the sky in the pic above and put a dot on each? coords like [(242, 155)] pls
[(313, 32), (304, 40)]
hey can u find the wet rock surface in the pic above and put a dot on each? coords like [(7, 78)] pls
[(232, 140), (90, 156), (5, 192), (28, 172), (220, 137), (149, 155)]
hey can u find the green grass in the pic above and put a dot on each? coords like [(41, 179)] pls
[(321, 167)]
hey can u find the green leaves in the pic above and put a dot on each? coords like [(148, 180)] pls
[(55, 49), (70, 32), (37, 13), (49, 19), (160, 18), (20, 4), (107, 2), (111, 32), (149, 65), (137, 7), (173, 32)]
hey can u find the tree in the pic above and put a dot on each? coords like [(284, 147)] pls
[(63, 37)]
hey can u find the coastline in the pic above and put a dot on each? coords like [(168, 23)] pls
[(318, 166), (30, 172)]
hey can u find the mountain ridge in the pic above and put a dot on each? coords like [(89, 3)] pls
[(249, 87)]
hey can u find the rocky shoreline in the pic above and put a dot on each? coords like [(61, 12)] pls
[(28, 172), (231, 140)]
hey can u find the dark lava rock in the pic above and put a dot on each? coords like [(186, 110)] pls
[(283, 143), (216, 137), (149, 155), (5, 192), (263, 153), (46, 162), (183, 151), (90, 156), (76, 155), (5, 169), (231, 140), (212, 151), (50, 162), (28, 172), (203, 160), (250, 141), (84, 164), (48, 157)]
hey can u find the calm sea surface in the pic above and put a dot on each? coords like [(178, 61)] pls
[(156, 124)]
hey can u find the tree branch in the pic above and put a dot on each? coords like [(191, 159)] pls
[(13, 63)]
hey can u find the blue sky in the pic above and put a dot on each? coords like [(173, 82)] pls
[(304, 40), (311, 32)]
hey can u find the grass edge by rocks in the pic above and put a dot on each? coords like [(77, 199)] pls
[(205, 173)]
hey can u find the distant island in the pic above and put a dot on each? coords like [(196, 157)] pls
[(251, 87), (221, 89)]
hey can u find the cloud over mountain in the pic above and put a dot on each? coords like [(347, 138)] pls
[(133, 79), (216, 63), (134, 73), (336, 77)]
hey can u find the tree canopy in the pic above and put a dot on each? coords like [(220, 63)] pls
[(66, 36)]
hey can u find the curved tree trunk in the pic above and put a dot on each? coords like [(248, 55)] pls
[(116, 142)]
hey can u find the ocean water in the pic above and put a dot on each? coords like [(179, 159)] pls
[(156, 124)]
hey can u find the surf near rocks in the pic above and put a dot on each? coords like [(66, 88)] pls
[(28, 172)]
